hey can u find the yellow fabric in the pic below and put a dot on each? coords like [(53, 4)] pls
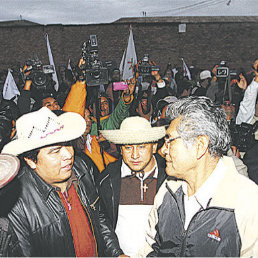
[(96, 156), (75, 101)]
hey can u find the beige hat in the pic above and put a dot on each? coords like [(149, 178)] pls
[(9, 167), (134, 130), (43, 127)]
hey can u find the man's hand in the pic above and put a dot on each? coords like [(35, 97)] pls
[(26, 70), (81, 62), (242, 84), (128, 93), (156, 75)]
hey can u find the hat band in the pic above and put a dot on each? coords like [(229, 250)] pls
[(49, 133)]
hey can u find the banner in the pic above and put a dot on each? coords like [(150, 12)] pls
[(51, 62), (186, 70), (10, 89), (129, 58)]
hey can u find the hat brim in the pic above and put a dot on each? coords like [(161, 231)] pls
[(73, 127), (9, 167), (134, 137)]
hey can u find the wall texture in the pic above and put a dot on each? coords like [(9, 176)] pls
[(206, 42)]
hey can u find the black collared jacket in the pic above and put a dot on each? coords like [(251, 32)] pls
[(109, 186), (40, 220)]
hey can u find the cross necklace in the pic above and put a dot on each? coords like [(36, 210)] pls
[(144, 186)]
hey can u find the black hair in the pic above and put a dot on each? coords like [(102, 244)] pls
[(39, 102), (32, 154)]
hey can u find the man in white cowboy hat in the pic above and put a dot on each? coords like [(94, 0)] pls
[(127, 187), (57, 212)]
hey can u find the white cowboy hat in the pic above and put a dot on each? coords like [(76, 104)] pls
[(134, 130), (43, 127), (9, 167)]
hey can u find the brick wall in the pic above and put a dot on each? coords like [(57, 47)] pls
[(203, 44)]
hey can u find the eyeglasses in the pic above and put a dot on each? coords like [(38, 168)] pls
[(169, 140)]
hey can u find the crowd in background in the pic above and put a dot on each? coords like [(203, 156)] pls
[(151, 93), (110, 162)]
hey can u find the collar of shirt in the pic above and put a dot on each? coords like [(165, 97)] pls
[(208, 188), (126, 171), (71, 180), (88, 142)]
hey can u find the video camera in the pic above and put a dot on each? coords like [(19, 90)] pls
[(243, 135), (145, 67), (222, 71), (95, 71), (40, 75)]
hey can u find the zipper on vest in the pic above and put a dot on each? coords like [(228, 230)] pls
[(93, 204), (174, 197)]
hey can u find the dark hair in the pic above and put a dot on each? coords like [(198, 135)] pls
[(39, 102), (32, 154)]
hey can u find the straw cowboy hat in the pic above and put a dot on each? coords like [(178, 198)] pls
[(43, 127), (134, 130), (9, 167)]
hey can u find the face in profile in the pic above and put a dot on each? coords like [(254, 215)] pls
[(180, 160), (54, 164)]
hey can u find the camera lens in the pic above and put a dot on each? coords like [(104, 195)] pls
[(96, 74), (39, 78)]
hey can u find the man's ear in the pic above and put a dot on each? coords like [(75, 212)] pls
[(30, 163), (154, 148), (202, 146)]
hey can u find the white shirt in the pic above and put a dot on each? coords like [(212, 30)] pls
[(201, 198), (132, 222), (247, 106)]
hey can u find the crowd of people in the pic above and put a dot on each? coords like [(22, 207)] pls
[(166, 166)]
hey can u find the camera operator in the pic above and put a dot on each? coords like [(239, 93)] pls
[(246, 111), (38, 86), (149, 78)]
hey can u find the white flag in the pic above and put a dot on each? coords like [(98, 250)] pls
[(51, 62), (10, 89), (186, 70), (69, 65), (121, 67), (130, 58)]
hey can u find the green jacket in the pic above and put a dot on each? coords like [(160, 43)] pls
[(113, 120)]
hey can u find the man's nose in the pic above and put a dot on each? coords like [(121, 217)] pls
[(164, 149), (66, 152), (135, 152)]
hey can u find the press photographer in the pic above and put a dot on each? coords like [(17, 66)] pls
[(40, 76), (38, 85), (144, 69), (95, 71)]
